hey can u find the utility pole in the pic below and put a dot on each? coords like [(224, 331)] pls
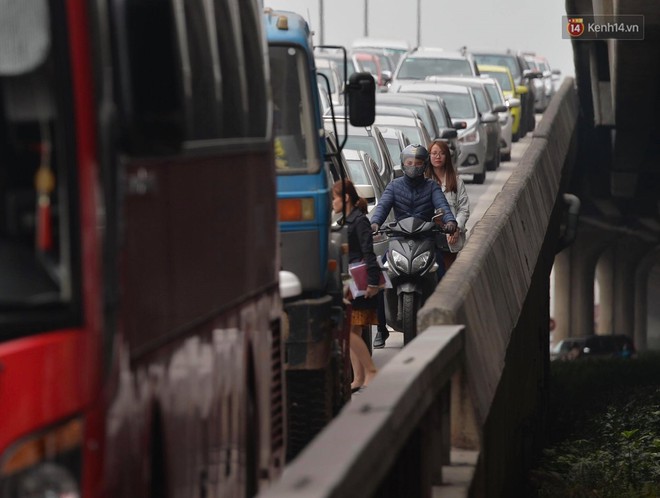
[(321, 24), (366, 18), (419, 23)]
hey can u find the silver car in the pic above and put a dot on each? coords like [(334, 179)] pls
[(487, 109), (421, 63), (418, 104), (396, 141), (506, 118), (367, 139), (472, 135), (406, 120), (446, 130), (329, 78)]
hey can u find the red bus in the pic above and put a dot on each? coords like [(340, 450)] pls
[(140, 348)]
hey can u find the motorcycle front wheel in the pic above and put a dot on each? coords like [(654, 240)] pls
[(409, 304)]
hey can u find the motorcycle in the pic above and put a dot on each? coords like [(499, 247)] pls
[(411, 266)]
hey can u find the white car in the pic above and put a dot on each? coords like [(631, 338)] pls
[(422, 63)]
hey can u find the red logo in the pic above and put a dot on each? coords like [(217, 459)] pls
[(575, 26)]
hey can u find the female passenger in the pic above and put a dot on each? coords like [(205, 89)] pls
[(443, 172)]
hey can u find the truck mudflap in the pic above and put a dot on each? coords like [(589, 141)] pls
[(308, 340)]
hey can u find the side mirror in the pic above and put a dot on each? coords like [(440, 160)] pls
[(386, 77), (531, 74), (446, 133), (513, 102), (361, 99), (460, 125), (488, 117), (521, 89), (499, 108)]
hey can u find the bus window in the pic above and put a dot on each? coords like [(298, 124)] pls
[(37, 224)]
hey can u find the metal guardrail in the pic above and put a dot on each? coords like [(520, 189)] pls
[(403, 418)]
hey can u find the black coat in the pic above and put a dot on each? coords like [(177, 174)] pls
[(361, 244)]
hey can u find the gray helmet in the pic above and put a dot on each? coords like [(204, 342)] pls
[(415, 152)]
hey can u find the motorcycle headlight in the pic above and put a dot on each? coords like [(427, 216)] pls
[(44, 465), (420, 261), (400, 261)]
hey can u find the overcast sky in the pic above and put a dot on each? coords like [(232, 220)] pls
[(531, 25)]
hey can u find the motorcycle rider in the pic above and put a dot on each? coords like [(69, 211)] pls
[(413, 195)]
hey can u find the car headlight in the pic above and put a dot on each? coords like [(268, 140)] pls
[(420, 261), (470, 136), (45, 465), (400, 262)]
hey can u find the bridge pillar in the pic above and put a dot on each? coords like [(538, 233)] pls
[(575, 268), (603, 316), (642, 273), (629, 251)]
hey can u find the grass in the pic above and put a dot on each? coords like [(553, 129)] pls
[(604, 430)]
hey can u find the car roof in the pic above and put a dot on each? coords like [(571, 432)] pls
[(381, 43), (432, 87), (324, 62), (460, 80), (401, 98), (389, 132), (395, 119), (391, 110), (352, 130), (439, 53), (493, 68)]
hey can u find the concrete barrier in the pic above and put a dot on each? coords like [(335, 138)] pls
[(489, 284)]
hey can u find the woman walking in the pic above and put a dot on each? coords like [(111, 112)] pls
[(360, 249)]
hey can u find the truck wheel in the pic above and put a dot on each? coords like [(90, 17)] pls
[(409, 316)]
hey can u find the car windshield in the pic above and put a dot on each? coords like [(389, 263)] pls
[(439, 114), (365, 144), (459, 105), (482, 101), (419, 68), (499, 60), (502, 78), (413, 134), (296, 147), (494, 94), (327, 72), (357, 172), (394, 148)]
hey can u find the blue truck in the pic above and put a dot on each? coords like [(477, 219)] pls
[(316, 336)]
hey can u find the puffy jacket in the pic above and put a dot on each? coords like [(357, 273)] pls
[(418, 197)]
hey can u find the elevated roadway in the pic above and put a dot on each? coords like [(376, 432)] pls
[(460, 411)]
